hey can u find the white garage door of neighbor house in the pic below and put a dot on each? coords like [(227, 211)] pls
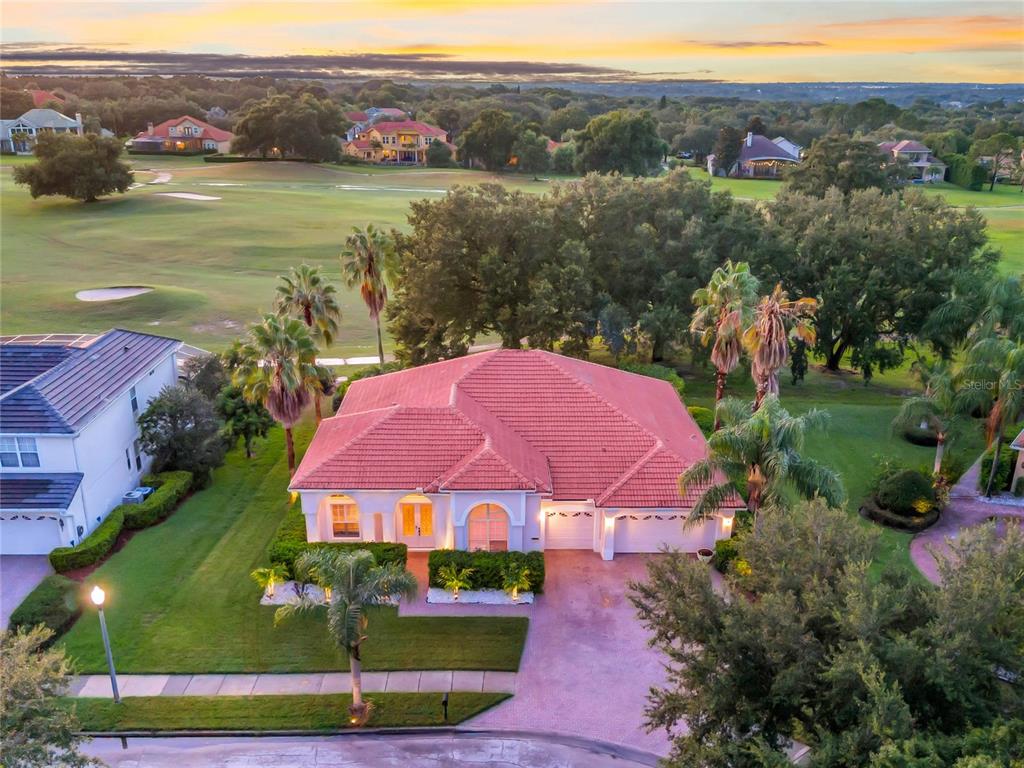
[(569, 529), (645, 532), (36, 535)]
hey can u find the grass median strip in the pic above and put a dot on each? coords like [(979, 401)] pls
[(271, 713)]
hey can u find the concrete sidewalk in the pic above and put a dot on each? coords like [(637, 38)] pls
[(426, 681)]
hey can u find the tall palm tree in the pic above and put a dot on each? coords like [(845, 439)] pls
[(725, 308), (367, 261), (764, 447), (993, 377), (939, 408), (767, 338), (320, 382), (306, 294), (354, 583), (276, 362)]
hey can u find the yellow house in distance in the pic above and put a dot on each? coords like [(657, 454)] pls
[(403, 142)]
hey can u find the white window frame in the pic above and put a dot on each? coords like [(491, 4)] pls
[(19, 448), (134, 395), (351, 516)]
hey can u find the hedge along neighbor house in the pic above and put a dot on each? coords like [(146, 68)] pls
[(69, 446), (186, 134), (508, 449)]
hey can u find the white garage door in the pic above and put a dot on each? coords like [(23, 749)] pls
[(647, 532), (569, 529), (29, 534)]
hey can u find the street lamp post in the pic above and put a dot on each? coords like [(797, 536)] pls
[(98, 597)]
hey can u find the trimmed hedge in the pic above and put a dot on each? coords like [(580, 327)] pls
[(170, 487), (965, 172), (486, 567), (1004, 472), (919, 436), (93, 548), (290, 541), (55, 603), (704, 417), (900, 491), (912, 523)]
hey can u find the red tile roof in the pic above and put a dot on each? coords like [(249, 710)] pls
[(360, 143), (510, 420), (208, 131), (424, 129), (356, 117), (909, 145), (40, 98)]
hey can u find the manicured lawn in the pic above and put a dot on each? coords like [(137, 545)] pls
[(269, 713), (180, 598), (744, 189), (213, 264)]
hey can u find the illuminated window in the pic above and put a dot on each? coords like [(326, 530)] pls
[(488, 528), (344, 518)]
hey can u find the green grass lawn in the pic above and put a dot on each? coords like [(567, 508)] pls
[(273, 713), (180, 598)]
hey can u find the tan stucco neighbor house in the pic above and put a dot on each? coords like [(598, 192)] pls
[(508, 450)]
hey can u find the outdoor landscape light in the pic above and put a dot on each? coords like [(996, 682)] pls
[(726, 524), (98, 596)]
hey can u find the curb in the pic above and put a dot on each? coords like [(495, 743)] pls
[(593, 745)]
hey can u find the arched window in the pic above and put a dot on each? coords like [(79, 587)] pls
[(488, 528), (344, 517)]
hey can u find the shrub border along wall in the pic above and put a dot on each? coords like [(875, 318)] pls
[(55, 602), (290, 541), (171, 487), (486, 567)]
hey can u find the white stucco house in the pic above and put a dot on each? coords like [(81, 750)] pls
[(508, 449), (19, 135), (69, 446)]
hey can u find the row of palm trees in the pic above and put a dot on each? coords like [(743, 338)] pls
[(276, 363)]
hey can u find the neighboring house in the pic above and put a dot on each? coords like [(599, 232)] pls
[(508, 449), (363, 120), (182, 135), (1018, 470), (42, 98), (69, 447), (760, 158), (402, 143), (922, 165), (19, 136)]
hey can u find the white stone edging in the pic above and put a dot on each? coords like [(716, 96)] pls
[(478, 596)]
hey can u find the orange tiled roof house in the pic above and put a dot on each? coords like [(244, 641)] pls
[(403, 142)]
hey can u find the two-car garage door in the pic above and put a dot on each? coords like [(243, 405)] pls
[(569, 528), (28, 533), (648, 532)]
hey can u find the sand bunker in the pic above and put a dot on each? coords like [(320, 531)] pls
[(187, 196), (220, 184), (112, 294), (354, 188)]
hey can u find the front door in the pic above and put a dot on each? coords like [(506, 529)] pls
[(416, 524)]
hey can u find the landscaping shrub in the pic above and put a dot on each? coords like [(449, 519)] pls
[(55, 603), (913, 522), (704, 417), (1004, 472), (170, 487), (93, 548), (290, 541), (656, 371), (904, 492), (965, 172), (727, 550), (487, 567), (919, 436)]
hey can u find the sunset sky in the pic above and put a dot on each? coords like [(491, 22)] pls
[(741, 41)]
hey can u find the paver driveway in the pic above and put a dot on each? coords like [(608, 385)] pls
[(19, 575), (586, 669)]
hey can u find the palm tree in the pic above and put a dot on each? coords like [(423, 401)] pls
[(367, 261), (515, 577), (993, 377), (307, 295), (767, 339), (354, 583), (725, 308), (268, 578), (453, 578), (275, 365), (764, 447), (320, 382), (939, 409)]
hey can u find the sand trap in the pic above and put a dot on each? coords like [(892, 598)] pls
[(187, 196), (111, 294), (161, 178), (220, 184), (354, 188)]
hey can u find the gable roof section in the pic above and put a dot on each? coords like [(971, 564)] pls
[(66, 396), (163, 130), (412, 126), (909, 145), (762, 148), (510, 420), (37, 490), (1018, 442), (20, 363), (47, 118)]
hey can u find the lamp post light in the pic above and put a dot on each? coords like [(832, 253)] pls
[(98, 596)]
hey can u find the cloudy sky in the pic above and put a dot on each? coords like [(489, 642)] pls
[(765, 41)]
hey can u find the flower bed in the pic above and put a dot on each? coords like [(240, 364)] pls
[(477, 596), (486, 567)]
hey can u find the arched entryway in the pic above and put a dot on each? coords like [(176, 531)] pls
[(488, 528), (343, 516), (415, 522)]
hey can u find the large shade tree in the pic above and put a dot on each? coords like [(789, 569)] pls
[(368, 261), (725, 309), (275, 364), (764, 450), (80, 167), (354, 584), (776, 319)]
